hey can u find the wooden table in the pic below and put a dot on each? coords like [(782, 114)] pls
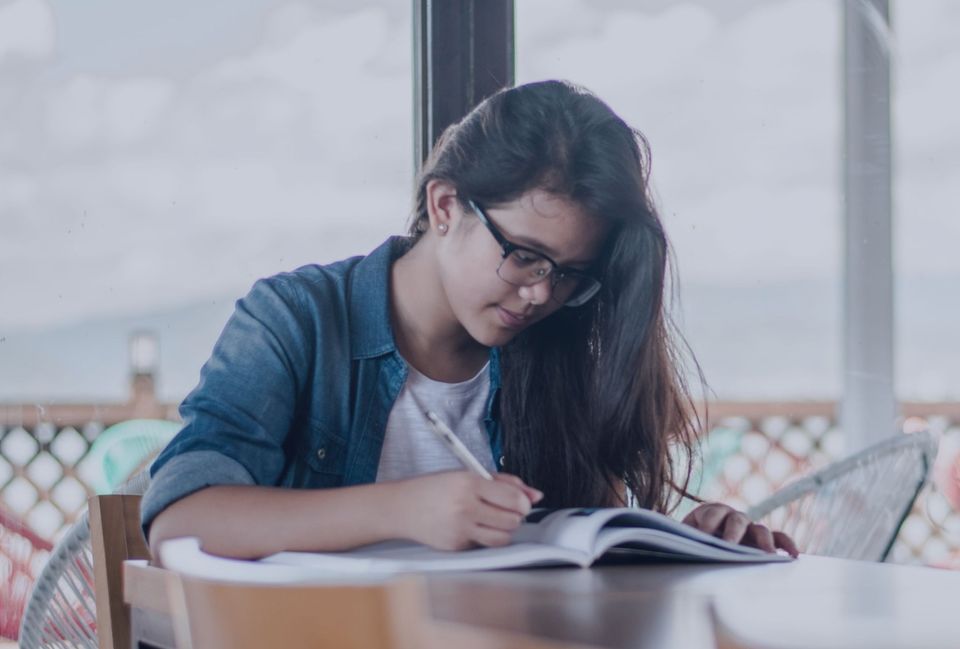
[(813, 602)]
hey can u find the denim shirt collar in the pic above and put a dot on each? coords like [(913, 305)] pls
[(369, 300)]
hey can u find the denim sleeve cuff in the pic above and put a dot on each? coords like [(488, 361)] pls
[(185, 474)]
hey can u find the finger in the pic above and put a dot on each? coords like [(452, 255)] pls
[(535, 495), (760, 537), (490, 537), (505, 496), (497, 518), (735, 526), (783, 541), (709, 518)]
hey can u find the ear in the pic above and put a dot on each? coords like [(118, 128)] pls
[(443, 206)]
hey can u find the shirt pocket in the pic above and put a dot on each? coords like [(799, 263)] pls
[(326, 455)]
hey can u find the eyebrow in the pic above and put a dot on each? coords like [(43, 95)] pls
[(537, 246)]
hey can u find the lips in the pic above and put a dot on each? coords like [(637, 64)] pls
[(512, 320)]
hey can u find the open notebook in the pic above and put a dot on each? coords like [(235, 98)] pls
[(571, 537), (549, 537)]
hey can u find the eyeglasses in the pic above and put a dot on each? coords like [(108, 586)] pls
[(525, 267)]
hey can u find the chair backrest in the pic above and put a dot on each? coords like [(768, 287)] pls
[(77, 599), (115, 537), (61, 609), (21, 552), (719, 445), (853, 508), (124, 449), (211, 614)]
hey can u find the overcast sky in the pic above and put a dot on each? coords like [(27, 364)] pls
[(132, 182), (157, 153)]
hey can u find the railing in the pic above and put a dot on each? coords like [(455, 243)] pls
[(46, 473), (46, 476)]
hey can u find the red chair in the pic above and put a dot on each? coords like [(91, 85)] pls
[(22, 555)]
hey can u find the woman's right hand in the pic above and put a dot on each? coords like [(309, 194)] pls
[(456, 510)]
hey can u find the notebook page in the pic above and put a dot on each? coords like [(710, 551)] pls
[(402, 556), (666, 544)]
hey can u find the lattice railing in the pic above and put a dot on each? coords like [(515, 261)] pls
[(46, 471), (44, 478)]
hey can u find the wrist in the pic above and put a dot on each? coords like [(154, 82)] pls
[(393, 504)]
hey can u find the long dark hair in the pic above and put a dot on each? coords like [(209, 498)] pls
[(592, 395)]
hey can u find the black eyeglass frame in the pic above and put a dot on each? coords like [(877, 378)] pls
[(557, 272)]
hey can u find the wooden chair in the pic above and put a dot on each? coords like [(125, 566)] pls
[(225, 615), (211, 614), (115, 537)]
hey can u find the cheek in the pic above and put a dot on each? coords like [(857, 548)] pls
[(470, 273), (472, 283), (473, 288)]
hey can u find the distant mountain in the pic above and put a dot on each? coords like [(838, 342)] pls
[(90, 361)]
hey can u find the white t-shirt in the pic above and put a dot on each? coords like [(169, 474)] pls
[(411, 448)]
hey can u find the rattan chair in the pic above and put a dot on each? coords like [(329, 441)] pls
[(853, 508), (62, 607), (22, 552)]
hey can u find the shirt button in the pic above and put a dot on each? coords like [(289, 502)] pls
[(322, 453), (502, 460)]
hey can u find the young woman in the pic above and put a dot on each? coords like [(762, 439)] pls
[(525, 307)]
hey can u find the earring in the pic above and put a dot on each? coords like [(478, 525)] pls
[(443, 228)]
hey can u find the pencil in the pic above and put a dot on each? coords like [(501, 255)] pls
[(456, 446)]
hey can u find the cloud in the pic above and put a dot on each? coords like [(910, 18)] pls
[(343, 95), (298, 148), (744, 117), (18, 191), (26, 30), (129, 193), (105, 113)]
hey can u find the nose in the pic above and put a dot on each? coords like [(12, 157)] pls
[(539, 293)]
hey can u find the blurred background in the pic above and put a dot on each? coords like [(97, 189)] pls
[(157, 158)]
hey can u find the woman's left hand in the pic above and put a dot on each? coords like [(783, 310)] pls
[(731, 525)]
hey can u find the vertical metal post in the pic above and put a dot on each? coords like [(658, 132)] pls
[(463, 53), (869, 408)]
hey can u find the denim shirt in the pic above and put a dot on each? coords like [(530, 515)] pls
[(299, 387)]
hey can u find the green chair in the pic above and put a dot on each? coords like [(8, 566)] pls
[(716, 449), (122, 449)]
